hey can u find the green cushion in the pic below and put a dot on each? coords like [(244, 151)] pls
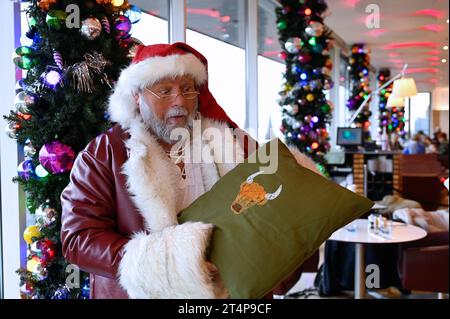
[(258, 248)]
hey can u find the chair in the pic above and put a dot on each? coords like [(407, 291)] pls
[(420, 176), (423, 265)]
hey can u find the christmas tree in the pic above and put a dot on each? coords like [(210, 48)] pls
[(360, 86), (305, 41), (77, 50)]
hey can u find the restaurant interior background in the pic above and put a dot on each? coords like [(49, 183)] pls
[(247, 62)]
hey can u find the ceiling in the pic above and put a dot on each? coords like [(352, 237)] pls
[(410, 31)]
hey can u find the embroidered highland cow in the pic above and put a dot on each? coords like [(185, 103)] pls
[(251, 194)]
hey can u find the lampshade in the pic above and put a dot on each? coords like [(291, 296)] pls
[(404, 87), (395, 101)]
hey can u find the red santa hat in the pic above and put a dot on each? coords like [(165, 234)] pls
[(155, 62)]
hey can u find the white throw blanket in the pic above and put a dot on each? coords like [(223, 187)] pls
[(430, 221), (395, 202)]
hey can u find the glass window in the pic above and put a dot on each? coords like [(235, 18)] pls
[(153, 27), (222, 20), (270, 72), (156, 8), (270, 78), (417, 111), (268, 44), (217, 30)]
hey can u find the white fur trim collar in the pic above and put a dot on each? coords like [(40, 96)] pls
[(150, 174)]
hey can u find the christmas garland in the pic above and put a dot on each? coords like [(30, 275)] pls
[(360, 86), (305, 41)]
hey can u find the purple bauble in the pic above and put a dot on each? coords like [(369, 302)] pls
[(56, 157), (123, 27), (25, 170), (305, 128)]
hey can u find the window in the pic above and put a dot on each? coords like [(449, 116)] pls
[(217, 30), (268, 44), (270, 72), (270, 78), (417, 112), (153, 27), (156, 8)]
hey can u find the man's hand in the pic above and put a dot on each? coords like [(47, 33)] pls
[(220, 290), (212, 269)]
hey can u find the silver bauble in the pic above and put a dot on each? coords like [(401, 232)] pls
[(91, 28), (293, 45), (314, 29)]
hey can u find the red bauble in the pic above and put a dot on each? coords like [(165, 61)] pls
[(304, 57)]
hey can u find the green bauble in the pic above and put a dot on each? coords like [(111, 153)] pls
[(282, 25), (325, 108), (56, 19), (23, 50), (23, 62)]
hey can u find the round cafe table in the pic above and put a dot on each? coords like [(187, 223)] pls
[(360, 235)]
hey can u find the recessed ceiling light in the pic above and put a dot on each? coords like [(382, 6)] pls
[(445, 47), (447, 21), (444, 60)]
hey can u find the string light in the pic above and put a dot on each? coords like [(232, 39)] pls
[(117, 3), (41, 171)]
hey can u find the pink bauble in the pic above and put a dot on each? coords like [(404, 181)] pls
[(56, 157)]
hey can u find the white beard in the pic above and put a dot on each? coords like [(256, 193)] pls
[(160, 127)]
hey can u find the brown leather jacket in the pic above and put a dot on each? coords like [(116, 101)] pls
[(99, 216)]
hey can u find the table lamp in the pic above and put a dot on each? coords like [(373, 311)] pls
[(395, 101), (403, 87)]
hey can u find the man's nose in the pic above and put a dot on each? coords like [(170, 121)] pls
[(179, 99)]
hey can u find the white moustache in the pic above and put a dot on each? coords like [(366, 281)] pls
[(176, 111)]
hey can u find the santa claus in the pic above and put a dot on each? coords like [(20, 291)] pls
[(119, 218)]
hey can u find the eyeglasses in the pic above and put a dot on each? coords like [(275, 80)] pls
[(189, 95)]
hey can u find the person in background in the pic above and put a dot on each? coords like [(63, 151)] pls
[(430, 146), (396, 145), (436, 133), (414, 145), (443, 143)]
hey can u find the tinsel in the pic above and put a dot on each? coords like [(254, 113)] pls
[(83, 72)]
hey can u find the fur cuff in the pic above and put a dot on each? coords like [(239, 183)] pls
[(168, 264)]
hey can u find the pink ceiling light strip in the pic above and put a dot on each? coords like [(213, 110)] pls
[(422, 70), (376, 33), (213, 13), (350, 3), (432, 27), (437, 14), (410, 45)]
